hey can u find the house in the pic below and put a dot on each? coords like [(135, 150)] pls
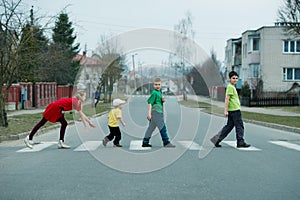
[(268, 59), (90, 73)]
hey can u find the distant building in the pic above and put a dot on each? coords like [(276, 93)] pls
[(90, 72), (268, 59)]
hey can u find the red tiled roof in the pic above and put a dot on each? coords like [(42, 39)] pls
[(86, 60)]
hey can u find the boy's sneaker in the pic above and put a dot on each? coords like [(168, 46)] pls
[(215, 142), (170, 145), (105, 141), (62, 145), (146, 145), (28, 143), (117, 145), (244, 145)]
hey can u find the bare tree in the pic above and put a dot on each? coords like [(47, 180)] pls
[(185, 32), (110, 57), (289, 15), (11, 24)]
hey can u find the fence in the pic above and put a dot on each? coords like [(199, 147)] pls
[(28, 95), (44, 93), (64, 91), (265, 102), (13, 97)]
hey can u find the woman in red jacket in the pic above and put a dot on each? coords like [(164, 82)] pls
[(54, 113)]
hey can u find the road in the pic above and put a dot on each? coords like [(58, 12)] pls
[(193, 170)]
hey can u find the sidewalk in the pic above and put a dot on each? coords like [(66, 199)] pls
[(21, 112)]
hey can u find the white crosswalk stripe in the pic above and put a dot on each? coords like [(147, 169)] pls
[(136, 145), (287, 145), (190, 145), (233, 144), (37, 147), (88, 146)]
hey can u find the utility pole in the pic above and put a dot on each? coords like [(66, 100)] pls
[(133, 65)]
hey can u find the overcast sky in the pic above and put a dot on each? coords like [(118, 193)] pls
[(214, 22)]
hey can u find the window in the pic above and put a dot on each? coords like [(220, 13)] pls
[(298, 46), (253, 44), (253, 71), (286, 46), (291, 74), (297, 73), (290, 46)]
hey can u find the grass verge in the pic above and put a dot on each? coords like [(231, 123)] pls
[(282, 120)]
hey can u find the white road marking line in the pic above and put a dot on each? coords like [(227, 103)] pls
[(88, 146), (287, 145), (37, 147), (233, 144), (137, 145), (190, 145)]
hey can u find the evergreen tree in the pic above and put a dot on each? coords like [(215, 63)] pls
[(64, 49), (33, 45)]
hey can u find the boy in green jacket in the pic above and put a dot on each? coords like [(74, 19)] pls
[(156, 116)]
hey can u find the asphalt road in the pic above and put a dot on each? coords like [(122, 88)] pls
[(192, 170)]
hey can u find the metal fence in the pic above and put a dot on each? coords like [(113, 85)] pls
[(265, 102)]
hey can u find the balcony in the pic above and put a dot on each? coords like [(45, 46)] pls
[(253, 57), (237, 60)]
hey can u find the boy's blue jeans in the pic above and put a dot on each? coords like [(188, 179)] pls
[(157, 120)]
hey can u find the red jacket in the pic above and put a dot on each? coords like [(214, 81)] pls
[(54, 110)]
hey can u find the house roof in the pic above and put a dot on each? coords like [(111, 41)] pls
[(84, 60)]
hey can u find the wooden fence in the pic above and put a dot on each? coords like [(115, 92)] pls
[(64, 91), (265, 102), (28, 95)]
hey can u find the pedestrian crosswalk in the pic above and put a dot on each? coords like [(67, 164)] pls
[(233, 144), (88, 146), (136, 145), (287, 145), (190, 145), (37, 147)]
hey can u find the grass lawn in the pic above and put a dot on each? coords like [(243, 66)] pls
[(295, 109), (24, 123), (282, 120)]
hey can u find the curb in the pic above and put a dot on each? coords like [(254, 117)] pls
[(40, 132), (275, 126), (24, 134)]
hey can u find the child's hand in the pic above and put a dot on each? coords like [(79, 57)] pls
[(163, 99), (92, 125), (226, 113), (149, 117), (123, 124)]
